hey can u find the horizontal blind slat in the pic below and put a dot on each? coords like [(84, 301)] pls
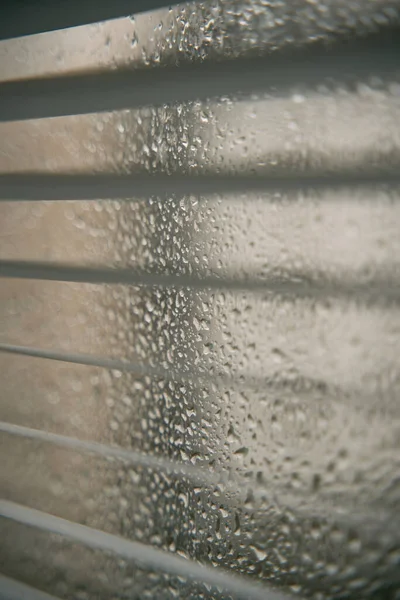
[(15, 590), (278, 74), (382, 291), (147, 556), (39, 187), (27, 17)]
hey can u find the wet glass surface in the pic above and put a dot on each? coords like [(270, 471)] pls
[(276, 385)]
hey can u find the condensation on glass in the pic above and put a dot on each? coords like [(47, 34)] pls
[(276, 386)]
